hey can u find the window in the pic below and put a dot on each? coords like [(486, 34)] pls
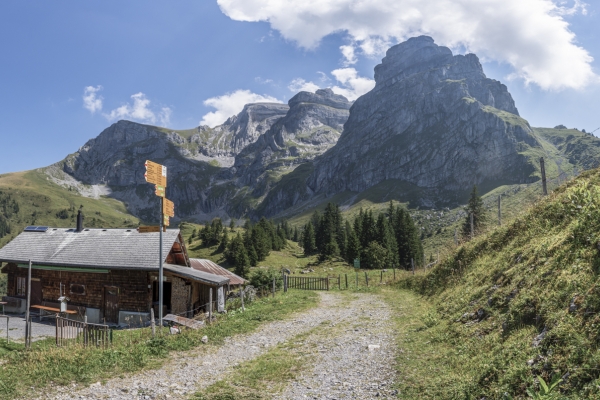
[(21, 286), (76, 288)]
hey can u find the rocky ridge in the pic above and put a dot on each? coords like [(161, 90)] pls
[(433, 126)]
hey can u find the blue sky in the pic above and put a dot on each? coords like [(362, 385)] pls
[(161, 62)]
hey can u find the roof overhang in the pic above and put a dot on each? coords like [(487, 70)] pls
[(195, 275)]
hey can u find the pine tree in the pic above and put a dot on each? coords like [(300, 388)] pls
[(296, 237), (308, 241), (475, 207), (237, 255), (231, 224), (407, 239), (353, 244), (224, 242)]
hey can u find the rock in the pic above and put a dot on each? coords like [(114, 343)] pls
[(538, 339), (204, 339), (373, 347)]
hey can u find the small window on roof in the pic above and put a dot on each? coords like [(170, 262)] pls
[(77, 288)]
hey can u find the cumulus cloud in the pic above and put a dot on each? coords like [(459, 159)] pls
[(231, 104), (299, 85), (532, 36), (349, 55), (353, 86), (139, 110), (350, 85), (91, 100)]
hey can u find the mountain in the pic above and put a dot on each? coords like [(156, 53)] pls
[(312, 125), (433, 126), (271, 137)]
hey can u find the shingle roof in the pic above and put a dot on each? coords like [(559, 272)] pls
[(212, 268), (196, 275), (92, 248)]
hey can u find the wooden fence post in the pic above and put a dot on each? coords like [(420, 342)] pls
[(544, 188), (367, 278), (152, 323), (394, 267), (273, 287), (242, 297), (412, 264), (340, 281), (209, 305), (381, 277), (346, 275)]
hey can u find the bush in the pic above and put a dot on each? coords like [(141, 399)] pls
[(264, 278)]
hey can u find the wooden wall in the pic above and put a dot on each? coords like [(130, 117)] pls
[(134, 294)]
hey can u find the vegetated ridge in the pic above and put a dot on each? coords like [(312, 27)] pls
[(523, 301)]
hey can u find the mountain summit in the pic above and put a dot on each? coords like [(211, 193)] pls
[(433, 120)]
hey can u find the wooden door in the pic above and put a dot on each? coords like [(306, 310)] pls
[(111, 304), (36, 292)]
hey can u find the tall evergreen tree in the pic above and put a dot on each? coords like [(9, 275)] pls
[(475, 207), (407, 239), (236, 254), (353, 244), (231, 224), (308, 239)]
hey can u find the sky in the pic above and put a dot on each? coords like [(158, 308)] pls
[(68, 70)]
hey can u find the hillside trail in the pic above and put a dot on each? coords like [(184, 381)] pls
[(353, 357)]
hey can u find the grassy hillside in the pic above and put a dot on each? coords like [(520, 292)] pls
[(39, 201), (522, 302)]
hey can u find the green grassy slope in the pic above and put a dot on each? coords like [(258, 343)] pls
[(42, 202), (537, 277)]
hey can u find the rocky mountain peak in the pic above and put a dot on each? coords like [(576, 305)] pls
[(324, 97)]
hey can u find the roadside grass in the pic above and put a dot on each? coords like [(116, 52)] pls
[(132, 350), (521, 302)]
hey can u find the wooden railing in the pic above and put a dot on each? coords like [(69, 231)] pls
[(307, 283), (69, 332)]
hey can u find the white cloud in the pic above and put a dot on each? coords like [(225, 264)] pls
[(532, 36), (350, 86), (353, 86), (91, 101), (299, 85), (139, 111), (231, 104), (349, 55)]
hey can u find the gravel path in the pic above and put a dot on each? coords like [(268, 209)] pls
[(344, 366), (356, 361)]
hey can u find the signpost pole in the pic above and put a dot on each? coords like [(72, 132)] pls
[(27, 319), (160, 267)]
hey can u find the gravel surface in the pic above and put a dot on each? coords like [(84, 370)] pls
[(355, 361), (344, 367), (16, 328)]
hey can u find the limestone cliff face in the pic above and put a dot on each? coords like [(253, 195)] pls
[(312, 125), (433, 120)]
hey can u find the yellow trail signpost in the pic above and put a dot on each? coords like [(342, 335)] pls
[(157, 174)]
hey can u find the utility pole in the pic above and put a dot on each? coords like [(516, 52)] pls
[(27, 319), (545, 190), (499, 211)]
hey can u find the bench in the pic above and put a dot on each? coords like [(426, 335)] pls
[(52, 310)]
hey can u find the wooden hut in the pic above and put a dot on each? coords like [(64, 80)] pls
[(109, 275)]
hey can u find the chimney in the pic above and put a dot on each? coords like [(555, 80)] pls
[(79, 220)]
